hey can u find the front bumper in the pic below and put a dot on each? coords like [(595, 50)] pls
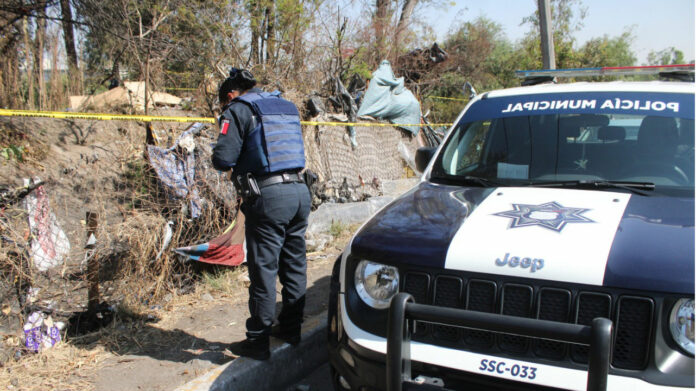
[(366, 372), (360, 358)]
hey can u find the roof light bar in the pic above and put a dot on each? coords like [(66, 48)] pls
[(607, 71)]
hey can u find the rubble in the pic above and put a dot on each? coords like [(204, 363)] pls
[(131, 94)]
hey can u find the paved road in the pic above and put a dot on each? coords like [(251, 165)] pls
[(319, 380)]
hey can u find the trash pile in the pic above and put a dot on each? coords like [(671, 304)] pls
[(183, 211), (352, 161), (185, 171), (414, 64), (131, 94), (50, 264), (384, 97)]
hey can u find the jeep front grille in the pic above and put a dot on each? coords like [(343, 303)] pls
[(632, 317)]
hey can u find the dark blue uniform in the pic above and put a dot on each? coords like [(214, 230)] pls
[(277, 219)]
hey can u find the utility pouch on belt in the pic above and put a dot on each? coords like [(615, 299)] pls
[(249, 187), (310, 178)]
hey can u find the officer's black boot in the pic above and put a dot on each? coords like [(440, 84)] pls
[(291, 335), (257, 348), (289, 326)]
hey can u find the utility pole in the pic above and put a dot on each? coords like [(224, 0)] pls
[(548, 56)]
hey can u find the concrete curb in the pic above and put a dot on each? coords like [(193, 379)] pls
[(287, 364)]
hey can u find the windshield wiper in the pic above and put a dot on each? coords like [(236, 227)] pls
[(485, 182), (634, 187)]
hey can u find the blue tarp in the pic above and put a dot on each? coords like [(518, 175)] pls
[(175, 167), (389, 99)]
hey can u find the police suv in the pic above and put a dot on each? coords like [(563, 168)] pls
[(548, 245)]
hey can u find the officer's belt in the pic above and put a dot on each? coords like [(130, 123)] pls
[(284, 177)]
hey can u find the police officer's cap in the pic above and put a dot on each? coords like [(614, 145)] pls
[(239, 80)]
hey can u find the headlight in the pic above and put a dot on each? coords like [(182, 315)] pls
[(376, 283), (681, 324)]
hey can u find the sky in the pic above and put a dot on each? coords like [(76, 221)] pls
[(656, 24)]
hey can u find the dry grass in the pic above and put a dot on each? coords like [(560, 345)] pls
[(231, 283), (74, 365), (134, 211), (137, 330), (64, 367), (131, 229)]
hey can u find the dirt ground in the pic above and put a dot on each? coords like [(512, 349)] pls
[(157, 341), (188, 340), (199, 332)]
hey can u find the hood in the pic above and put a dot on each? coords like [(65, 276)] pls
[(418, 227), (578, 236), (654, 246)]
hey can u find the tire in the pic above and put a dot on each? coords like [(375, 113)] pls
[(334, 288), (335, 380)]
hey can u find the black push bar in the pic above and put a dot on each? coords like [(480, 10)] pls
[(597, 336)]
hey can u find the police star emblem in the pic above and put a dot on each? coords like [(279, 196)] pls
[(551, 215)]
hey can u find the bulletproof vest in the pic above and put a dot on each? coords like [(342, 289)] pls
[(275, 144)]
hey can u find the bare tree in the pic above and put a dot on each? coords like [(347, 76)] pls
[(404, 21), (256, 26), (270, 37), (31, 97), (381, 21), (69, 40), (38, 47)]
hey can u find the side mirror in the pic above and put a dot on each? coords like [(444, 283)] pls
[(471, 89), (423, 157)]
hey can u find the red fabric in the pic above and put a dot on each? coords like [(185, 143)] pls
[(227, 249), (225, 125)]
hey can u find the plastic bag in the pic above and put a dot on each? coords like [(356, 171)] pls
[(40, 332), (389, 99)]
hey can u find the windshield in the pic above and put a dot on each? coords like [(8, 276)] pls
[(531, 149)]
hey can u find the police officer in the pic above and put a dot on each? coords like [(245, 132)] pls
[(261, 141)]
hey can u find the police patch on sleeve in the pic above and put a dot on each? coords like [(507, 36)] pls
[(224, 126)]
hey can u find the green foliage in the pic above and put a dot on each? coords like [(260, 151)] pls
[(608, 52), (12, 152), (481, 54), (478, 53), (566, 18), (666, 56), (298, 43), (163, 38), (361, 68), (337, 228), (135, 170), (137, 178)]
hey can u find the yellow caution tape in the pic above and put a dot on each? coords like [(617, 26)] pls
[(446, 98), (180, 89), (102, 117), (162, 118)]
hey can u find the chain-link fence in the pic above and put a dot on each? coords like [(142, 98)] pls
[(102, 167)]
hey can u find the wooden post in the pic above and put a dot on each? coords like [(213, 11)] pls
[(92, 264)]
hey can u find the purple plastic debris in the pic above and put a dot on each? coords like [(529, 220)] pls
[(40, 332)]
